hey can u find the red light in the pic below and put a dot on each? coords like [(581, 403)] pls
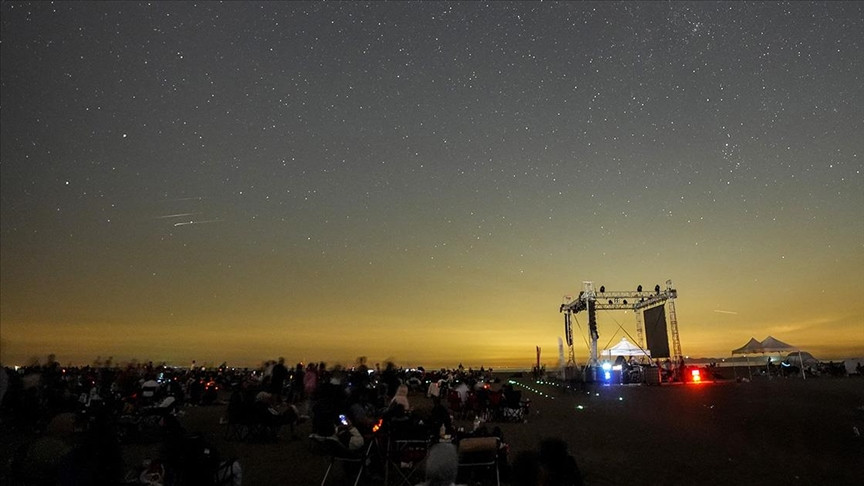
[(697, 377)]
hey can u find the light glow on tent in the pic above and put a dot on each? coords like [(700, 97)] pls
[(697, 377)]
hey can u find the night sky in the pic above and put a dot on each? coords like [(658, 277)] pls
[(425, 182)]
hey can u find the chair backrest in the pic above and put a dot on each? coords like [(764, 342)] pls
[(513, 398), (478, 451)]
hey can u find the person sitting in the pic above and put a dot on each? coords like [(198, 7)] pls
[(362, 412), (442, 465), (550, 465), (271, 414), (348, 435), (401, 398), (440, 420)]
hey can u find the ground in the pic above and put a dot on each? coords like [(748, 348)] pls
[(782, 430), (778, 431)]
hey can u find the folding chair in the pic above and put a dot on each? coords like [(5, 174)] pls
[(480, 452), (331, 447), (407, 445), (514, 408), (455, 403), (495, 406), (406, 457)]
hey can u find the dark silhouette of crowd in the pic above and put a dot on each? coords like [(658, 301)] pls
[(66, 425), (75, 420)]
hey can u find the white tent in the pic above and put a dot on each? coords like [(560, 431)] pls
[(773, 345), (626, 348), (753, 346), (768, 345)]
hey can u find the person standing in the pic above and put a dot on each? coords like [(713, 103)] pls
[(310, 384), (277, 379)]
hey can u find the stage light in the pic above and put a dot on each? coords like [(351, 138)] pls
[(610, 301), (697, 377), (639, 289), (657, 288), (602, 289), (625, 301)]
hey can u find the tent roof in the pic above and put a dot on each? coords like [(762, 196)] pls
[(625, 348), (767, 345), (771, 345), (752, 346)]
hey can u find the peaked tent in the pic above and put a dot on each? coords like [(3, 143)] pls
[(626, 348), (768, 345), (752, 347), (772, 345)]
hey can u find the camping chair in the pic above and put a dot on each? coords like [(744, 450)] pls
[(455, 403), (406, 457), (238, 418), (514, 409), (495, 406), (480, 452), (407, 445), (330, 446), (474, 405)]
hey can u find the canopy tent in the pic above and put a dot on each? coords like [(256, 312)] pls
[(772, 345), (768, 345), (752, 347), (626, 348)]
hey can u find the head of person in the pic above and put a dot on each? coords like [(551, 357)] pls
[(442, 465)]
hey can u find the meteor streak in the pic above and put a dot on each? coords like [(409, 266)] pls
[(203, 221)]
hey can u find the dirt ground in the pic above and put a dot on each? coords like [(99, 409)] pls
[(780, 431)]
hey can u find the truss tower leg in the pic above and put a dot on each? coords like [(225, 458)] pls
[(673, 323)]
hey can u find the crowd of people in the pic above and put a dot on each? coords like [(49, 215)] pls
[(80, 410)]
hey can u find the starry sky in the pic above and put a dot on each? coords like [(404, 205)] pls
[(425, 181)]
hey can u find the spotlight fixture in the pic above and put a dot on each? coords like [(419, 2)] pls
[(639, 289), (657, 288), (602, 289)]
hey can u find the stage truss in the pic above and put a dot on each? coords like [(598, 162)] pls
[(591, 300)]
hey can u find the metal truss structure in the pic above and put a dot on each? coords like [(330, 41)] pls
[(591, 300)]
